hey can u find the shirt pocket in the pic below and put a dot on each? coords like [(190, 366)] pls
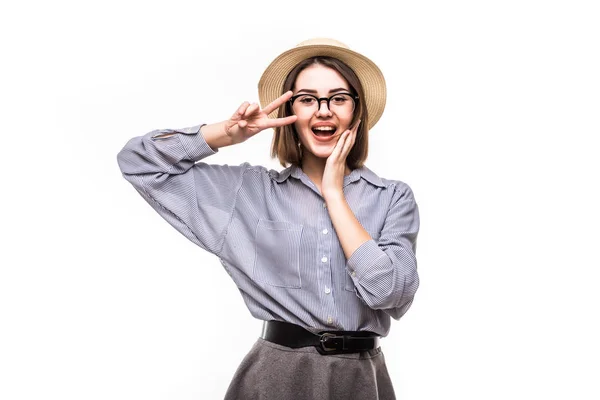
[(277, 253), (349, 282)]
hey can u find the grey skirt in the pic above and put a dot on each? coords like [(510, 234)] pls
[(274, 372)]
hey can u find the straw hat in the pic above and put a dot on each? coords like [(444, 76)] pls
[(270, 85)]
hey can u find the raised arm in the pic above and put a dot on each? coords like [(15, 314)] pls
[(196, 198)]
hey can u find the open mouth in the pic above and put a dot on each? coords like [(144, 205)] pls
[(324, 131)]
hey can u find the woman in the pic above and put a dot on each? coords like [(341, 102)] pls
[(323, 251)]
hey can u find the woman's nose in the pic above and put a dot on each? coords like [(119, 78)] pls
[(323, 109)]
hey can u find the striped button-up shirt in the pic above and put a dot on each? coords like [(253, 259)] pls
[(273, 234)]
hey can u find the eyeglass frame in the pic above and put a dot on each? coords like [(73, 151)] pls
[(321, 99)]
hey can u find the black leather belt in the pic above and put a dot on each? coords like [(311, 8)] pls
[(326, 342)]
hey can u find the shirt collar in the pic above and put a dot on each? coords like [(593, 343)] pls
[(356, 174)]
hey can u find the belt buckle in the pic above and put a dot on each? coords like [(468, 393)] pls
[(323, 348)]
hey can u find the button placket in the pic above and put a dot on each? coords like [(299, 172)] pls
[(324, 240)]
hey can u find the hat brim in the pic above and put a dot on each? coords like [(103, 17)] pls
[(270, 85)]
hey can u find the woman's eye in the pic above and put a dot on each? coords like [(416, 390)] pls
[(307, 100)]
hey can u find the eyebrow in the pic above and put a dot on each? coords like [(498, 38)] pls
[(331, 91)]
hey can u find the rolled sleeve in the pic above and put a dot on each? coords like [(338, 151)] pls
[(191, 140), (361, 260), (385, 272)]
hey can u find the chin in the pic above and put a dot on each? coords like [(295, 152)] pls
[(322, 152)]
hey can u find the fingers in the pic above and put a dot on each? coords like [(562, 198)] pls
[(252, 109), (244, 111), (349, 138), (337, 150), (276, 122), (345, 142), (349, 142), (240, 111), (278, 102)]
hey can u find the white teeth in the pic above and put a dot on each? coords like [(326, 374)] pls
[(324, 128)]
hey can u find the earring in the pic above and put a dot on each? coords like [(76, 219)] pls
[(300, 149)]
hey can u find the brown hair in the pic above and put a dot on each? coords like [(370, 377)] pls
[(285, 140)]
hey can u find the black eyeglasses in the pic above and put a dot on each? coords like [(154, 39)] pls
[(338, 103)]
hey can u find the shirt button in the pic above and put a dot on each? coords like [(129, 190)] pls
[(324, 205), (324, 259), (327, 290), (330, 320), (353, 273), (325, 231)]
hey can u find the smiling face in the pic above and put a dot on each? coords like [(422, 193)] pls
[(318, 130)]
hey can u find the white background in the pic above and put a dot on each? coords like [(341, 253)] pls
[(492, 118)]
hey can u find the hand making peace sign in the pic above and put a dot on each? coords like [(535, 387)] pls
[(249, 119)]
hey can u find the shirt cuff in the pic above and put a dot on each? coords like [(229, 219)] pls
[(363, 258), (192, 141)]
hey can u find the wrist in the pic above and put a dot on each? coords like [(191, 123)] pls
[(333, 196), (216, 136)]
